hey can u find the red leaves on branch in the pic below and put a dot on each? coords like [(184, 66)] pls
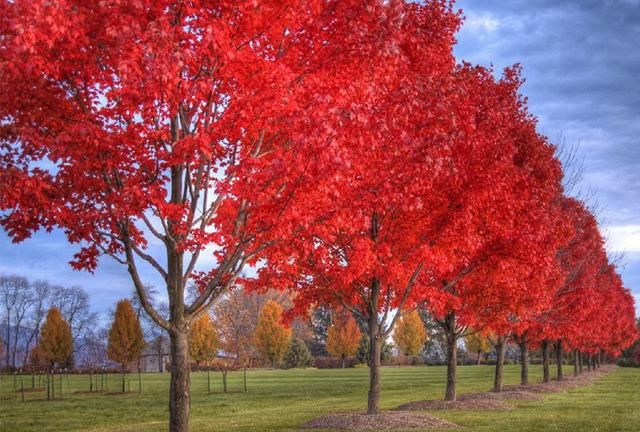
[(334, 145)]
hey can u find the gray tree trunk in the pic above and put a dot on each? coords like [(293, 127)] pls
[(452, 356), (524, 369), (559, 359), (545, 361), (375, 345), (180, 382), (500, 350)]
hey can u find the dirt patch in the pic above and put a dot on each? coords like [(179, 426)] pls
[(504, 395), (384, 421), (473, 404)]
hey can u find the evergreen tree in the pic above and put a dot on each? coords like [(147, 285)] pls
[(298, 355)]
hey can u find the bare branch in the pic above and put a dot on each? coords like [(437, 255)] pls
[(152, 229), (151, 260), (405, 297), (140, 287)]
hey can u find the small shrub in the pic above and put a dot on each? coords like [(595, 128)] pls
[(333, 363)]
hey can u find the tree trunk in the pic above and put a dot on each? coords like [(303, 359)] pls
[(479, 354), (90, 381), (160, 357), (559, 358), (575, 362), (452, 356), (500, 350), (7, 339), (580, 362), (524, 352), (545, 361), (224, 381), (375, 345), (180, 382), (124, 375), (343, 359), (244, 378)]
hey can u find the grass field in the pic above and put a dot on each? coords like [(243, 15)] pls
[(281, 400)]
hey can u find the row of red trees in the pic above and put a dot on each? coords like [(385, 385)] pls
[(336, 145)]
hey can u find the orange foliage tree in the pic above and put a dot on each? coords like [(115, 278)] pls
[(125, 337), (272, 338), (203, 340), (55, 340), (410, 335), (55, 345), (343, 337)]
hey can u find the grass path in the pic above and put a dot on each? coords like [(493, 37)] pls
[(281, 400)]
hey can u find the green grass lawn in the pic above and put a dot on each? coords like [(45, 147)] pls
[(280, 400)]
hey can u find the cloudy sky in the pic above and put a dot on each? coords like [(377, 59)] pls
[(582, 68)]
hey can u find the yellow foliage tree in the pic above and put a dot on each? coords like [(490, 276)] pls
[(410, 334), (56, 341), (55, 345), (343, 336), (478, 343), (125, 337), (203, 340), (272, 338)]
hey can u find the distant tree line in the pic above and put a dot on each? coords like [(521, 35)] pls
[(242, 330), (23, 309)]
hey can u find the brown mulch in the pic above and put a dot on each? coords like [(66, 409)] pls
[(567, 383), (469, 403), (536, 388), (504, 395), (383, 421)]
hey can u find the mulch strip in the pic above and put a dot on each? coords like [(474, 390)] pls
[(470, 403), (567, 383), (493, 400), (504, 395), (384, 421)]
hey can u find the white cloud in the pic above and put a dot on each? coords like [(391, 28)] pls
[(623, 238), (485, 23)]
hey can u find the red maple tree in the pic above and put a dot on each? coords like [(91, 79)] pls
[(187, 125)]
